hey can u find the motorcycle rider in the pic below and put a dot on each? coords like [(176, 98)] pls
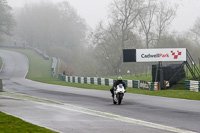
[(117, 82)]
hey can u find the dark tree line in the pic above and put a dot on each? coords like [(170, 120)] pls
[(6, 19), (56, 29)]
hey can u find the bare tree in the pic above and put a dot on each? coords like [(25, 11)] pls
[(155, 17), (119, 34), (164, 16), (37, 24), (123, 16), (146, 18), (196, 31), (72, 28)]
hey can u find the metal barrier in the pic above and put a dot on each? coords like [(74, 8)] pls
[(192, 85), (109, 82)]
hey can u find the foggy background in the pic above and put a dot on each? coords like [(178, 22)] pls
[(88, 36), (94, 11)]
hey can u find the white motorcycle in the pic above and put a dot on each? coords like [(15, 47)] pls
[(118, 94)]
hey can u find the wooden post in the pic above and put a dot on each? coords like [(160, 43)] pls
[(165, 84)]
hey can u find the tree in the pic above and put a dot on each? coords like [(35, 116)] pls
[(72, 27), (110, 40), (56, 29), (155, 17), (164, 16), (123, 16), (37, 25), (52, 27), (196, 31), (108, 49), (6, 19), (146, 18)]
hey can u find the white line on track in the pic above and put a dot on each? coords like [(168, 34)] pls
[(94, 112)]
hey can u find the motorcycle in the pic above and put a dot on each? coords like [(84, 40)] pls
[(118, 94)]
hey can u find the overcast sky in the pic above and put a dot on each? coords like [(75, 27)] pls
[(94, 11)]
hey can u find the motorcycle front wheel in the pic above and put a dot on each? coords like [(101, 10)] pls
[(120, 98)]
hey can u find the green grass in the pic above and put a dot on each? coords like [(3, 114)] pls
[(189, 74), (145, 77), (10, 124), (38, 67)]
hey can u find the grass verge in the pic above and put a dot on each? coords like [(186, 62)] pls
[(10, 124), (145, 77), (38, 69)]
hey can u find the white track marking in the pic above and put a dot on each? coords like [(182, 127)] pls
[(94, 112)]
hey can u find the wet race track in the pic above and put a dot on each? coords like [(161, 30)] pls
[(75, 110)]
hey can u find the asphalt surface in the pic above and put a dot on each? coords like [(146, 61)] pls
[(77, 110)]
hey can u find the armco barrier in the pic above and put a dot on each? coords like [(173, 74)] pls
[(102, 81), (63, 77), (79, 79), (88, 80), (99, 81), (91, 80), (136, 84), (192, 85), (41, 53), (38, 51), (95, 81), (73, 79), (130, 83), (76, 79), (69, 79), (111, 81), (82, 79), (85, 80), (143, 85), (153, 86), (187, 84), (199, 86), (108, 82)]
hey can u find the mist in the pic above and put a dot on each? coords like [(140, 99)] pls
[(58, 29)]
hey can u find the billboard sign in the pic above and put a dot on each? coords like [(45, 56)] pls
[(154, 55)]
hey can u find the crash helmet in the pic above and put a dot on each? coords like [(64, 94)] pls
[(119, 78)]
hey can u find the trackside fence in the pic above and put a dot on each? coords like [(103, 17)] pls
[(192, 85), (109, 82)]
